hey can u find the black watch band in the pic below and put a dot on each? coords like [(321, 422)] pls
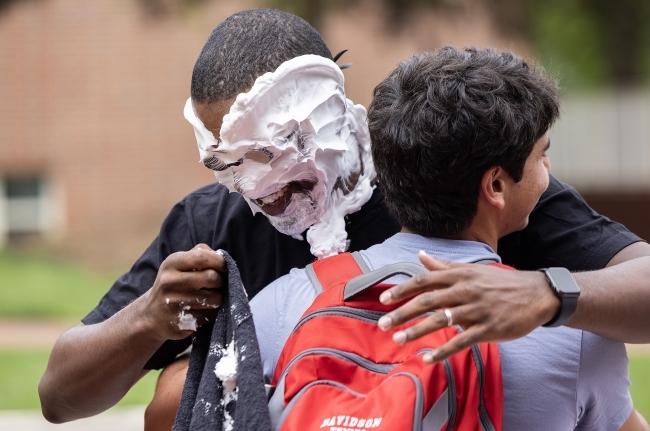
[(564, 286)]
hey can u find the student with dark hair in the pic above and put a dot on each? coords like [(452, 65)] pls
[(441, 120), (459, 141), (147, 317)]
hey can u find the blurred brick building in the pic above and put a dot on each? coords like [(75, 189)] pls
[(94, 149)]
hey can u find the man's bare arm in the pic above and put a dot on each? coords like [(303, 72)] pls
[(497, 305), (93, 366), (635, 422), (614, 301)]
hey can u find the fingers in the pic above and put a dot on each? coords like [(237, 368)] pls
[(426, 302), (186, 293), (424, 281), (196, 269), (189, 315), (191, 280), (200, 257), (203, 299), (187, 321), (437, 320), (470, 337), (202, 317), (491, 303), (431, 263)]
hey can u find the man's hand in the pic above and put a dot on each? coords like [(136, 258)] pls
[(92, 366), (492, 304), (186, 292)]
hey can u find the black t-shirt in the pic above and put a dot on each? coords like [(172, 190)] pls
[(223, 220), (563, 231)]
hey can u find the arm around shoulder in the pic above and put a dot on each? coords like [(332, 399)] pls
[(564, 231)]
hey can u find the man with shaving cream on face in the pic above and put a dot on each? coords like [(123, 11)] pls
[(271, 119), (299, 152), (295, 148)]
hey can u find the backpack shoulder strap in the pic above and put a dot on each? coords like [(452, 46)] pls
[(485, 261), (503, 266), (359, 260), (335, 270)]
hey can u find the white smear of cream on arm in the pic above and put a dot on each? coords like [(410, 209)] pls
[(186, 321)]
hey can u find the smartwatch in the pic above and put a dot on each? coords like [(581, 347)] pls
[(564, 286)]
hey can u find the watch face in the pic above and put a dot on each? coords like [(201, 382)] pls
[(564, 282)]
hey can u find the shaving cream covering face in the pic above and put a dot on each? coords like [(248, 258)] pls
[(296, 149)]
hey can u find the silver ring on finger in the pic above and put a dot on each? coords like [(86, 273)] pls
[(450, 317)]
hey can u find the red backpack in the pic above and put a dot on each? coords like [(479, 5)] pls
[(339, 372)]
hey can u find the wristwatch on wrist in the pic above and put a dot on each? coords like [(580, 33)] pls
[(565, 288)]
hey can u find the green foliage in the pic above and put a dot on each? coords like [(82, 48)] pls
[(562, 34), (587, 43), (42, 287), (591, 43), (640, 378), (21, 370), (311, 11)]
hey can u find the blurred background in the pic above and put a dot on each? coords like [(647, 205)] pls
[(94, 150)]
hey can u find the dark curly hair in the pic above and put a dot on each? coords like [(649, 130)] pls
[(245, 46), (442, 119)]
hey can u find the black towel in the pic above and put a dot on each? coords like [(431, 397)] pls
[(200, 407)]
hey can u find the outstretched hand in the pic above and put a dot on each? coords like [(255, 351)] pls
[(490, 303), (186, 292)]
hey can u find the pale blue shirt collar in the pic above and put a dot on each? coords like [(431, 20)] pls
[(404, 247)]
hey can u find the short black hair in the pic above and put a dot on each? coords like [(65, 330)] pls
[(245, 46), (440, 120)]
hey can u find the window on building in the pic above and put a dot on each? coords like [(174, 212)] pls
[(24, 207)]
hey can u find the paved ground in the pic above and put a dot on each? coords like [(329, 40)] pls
[(638, 349), (19, 333), (43, 334), (123, 419)]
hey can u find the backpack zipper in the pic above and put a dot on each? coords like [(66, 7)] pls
[(369, 316), (484, 417), (355, 313), (419, 398), (451, 386), (364, 363)]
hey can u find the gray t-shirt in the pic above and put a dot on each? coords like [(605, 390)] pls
[(553, 378)]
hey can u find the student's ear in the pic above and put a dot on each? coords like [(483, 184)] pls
[(493, 186)]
